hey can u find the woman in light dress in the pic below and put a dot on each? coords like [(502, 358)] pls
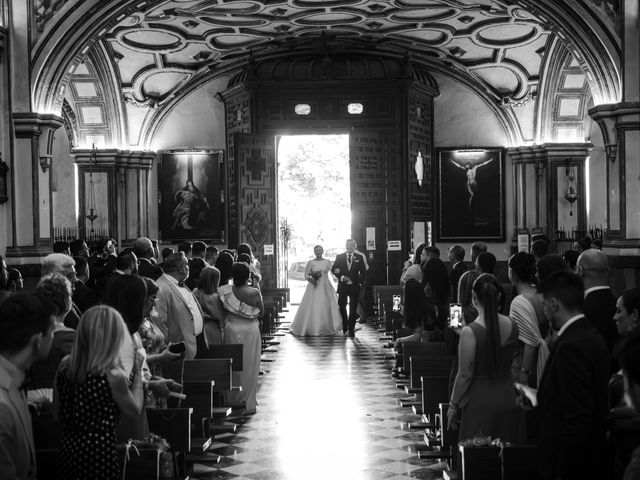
[(318, 314), (243, 305)]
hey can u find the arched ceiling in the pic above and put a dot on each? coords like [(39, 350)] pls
[(161, 48)]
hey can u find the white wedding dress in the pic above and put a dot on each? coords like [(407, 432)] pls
[(318, 314)]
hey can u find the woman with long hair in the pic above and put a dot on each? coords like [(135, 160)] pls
[(243, 305), (435, 280), (254, 264), (483, 401), (207, 296), (91, 392), (419, 313), (528, 313)]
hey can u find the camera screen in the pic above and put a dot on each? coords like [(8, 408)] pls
[(396, 303), (455, 315)]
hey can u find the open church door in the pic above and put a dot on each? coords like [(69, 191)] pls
[(376, 202), (256, 208)]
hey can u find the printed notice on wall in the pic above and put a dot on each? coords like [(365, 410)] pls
[(523, 242), (394, 245), (268, 249), (371, 238)]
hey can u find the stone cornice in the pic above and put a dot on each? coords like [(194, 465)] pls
[(27, 124), (128, 159)]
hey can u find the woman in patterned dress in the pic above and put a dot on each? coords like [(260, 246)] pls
[(90, 393)]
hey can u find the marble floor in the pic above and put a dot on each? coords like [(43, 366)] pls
[(327, 410)]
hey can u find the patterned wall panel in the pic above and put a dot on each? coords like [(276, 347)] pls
[(257, 200), (420, 113)]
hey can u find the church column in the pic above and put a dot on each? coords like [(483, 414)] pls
[(32, 149), (620, 125)]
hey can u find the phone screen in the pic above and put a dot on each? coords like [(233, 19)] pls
[(396, 303), (455, 315)]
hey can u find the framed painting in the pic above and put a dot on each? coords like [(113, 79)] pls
[(191, 195), (470, 188)]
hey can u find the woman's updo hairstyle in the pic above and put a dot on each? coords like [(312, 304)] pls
[(523, 266), (240, 273)]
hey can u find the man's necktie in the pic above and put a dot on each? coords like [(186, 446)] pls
[(349, 258)]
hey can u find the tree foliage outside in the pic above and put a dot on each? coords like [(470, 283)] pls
[(314, 196)]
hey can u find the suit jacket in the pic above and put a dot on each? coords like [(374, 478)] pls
[(17, 453), (174, 317), (84, 297), (573, 405), (357, 273), (147, 269), (456, 272), (599, 307)]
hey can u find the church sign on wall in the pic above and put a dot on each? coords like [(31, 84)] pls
[(470, 195), (191, 195)]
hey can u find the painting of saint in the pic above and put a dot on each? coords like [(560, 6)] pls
[(191, 195)]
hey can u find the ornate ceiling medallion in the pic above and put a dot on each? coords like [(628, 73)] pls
[(226, 39), (512, 35)]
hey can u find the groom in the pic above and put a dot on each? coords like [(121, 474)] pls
[(350, 270)]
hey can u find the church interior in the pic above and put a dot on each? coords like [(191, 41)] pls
[(468, 120)]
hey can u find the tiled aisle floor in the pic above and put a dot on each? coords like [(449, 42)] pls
[(327, 410)]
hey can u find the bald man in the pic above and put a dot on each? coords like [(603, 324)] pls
[(143, 248), (599, 303)]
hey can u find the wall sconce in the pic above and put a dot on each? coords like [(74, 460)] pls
[(419, 168), (45, 163), (572, 194), (4, 189), (611, 152)]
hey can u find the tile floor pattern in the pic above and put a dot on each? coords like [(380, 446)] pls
[(327, 410)]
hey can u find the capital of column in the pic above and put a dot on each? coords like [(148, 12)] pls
[(41, 126), (112, 157), (612, 117)]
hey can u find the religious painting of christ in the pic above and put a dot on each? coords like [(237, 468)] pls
[(470, 189), (191, 195)]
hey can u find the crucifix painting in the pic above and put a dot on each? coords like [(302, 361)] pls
[(191, 195), (470, 195)]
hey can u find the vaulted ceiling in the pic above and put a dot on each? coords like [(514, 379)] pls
[(158, 49)]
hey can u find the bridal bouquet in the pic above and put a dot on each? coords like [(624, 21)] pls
[(316, 276)]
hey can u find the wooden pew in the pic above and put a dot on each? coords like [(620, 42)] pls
[(383, 294), (519, 462), (443, 447), (424, 366), (174, 425), (200, 379), (435, 390)]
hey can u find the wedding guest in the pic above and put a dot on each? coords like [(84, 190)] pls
[(624, 421), (254, 264), (571, 259), (207, 295), (549, 264), (198, 249), (144, 251), (64, 265), (92, 391), (539, 248), (83, 296), (528, 313), (224, 264), (483, 399), (79, 248), (414, 270), (26, 331), (572, 394), (165, 253), (211, 255), (629, 356), (186, 248), (61, 247), (435, 280), (57, 289), (243, 305), (196, 265), (419, 313), (14, 280)]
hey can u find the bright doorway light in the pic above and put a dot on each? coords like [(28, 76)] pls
[(314, 199)]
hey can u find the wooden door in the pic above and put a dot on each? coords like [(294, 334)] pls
[(257, 199), (376, 200)]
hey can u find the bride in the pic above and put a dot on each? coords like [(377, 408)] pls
[(318, 314)]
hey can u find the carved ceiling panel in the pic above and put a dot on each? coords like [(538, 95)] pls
[(160, 48)]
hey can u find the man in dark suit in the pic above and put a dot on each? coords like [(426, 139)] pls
[(147, 267), (599, 303), (350, 269), (83, 296), (572, 397), (458, 267)]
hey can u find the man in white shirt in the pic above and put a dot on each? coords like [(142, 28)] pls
[(26, 334), (179, 315)]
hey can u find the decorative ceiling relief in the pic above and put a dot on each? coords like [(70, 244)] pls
[(43, 11), (160, 48)]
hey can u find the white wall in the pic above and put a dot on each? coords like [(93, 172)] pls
[(462, 119), (63, 185)]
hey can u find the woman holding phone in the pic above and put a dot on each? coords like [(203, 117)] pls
[(483, 401), (419, 313)]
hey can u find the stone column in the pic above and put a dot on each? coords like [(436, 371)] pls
[(620, 125)]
